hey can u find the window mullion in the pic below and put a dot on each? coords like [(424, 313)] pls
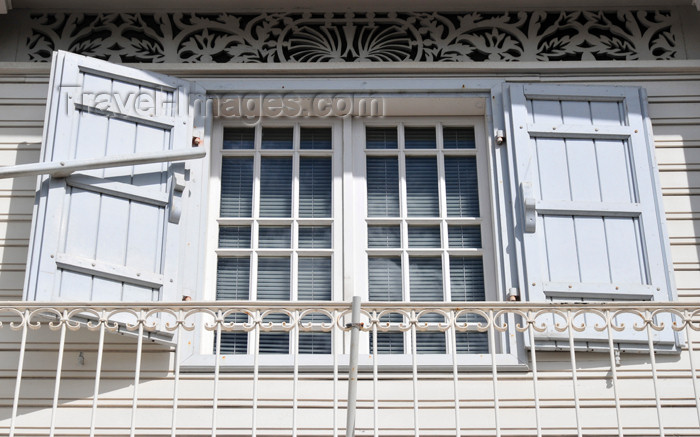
[(403, 211)]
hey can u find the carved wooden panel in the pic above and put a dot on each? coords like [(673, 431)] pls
[(350, 37)]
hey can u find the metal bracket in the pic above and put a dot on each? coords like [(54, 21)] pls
[(513, 294), (177, 188), (500, 137), (529, 207)]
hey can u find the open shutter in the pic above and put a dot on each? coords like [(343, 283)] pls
[(588, 206), (113, 234)]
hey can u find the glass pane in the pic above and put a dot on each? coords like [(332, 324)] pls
[(236, 187), (430, 342), (461, 186), (314, 278), (274, 237), (424, 236), (274, 343), (314, 342), (381, 138), (465, 236), (316, 138), (383, 236), (420, 138), (385, 279), (422, 187), (276, 187), (273, 278), (466, 279), (472, 342), (233, 278), (458, 137), (387, 343), (314, 237), (426, 279), (234, 237), (239, 138), (315, 183), (383, 187), (277, 137)]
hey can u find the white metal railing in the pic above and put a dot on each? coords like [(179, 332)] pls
[(75, 376)]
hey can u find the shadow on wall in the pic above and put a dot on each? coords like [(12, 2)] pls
[(77, 382), (17, 196)]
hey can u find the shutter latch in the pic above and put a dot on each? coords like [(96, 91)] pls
[(529, 210)]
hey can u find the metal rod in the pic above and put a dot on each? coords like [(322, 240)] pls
[(494, 372), (59, 366), (693, 372), (173, 426), (217, 365), (256, 374), (613, 371), (137, 378), (533, 358), (414, 368), (20, 366), (98, 373), (652, 358), (65, 168), (455, 374), (352, 371), (574, 378), (295, 376), (335, 373), (375, 381)]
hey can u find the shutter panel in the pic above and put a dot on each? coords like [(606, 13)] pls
[(112, 234), (589, 212)]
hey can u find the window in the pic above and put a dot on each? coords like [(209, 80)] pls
[(276, 217), (427, 217), (548, 191)]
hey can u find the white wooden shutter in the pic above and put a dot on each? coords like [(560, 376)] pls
[(588, 206), (113, 234)]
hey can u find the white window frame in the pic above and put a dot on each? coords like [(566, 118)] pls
[(215, 222), (360, 220), (472, 109)]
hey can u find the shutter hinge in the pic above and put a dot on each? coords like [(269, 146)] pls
[(513, 294), (500, 137)]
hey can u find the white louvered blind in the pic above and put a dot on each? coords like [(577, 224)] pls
[(275, 234), (424, 232)]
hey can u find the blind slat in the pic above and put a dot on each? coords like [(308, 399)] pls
[(236, 187), (461, 187), (383, 187), (276, 187), (315, 186), (422, 187)]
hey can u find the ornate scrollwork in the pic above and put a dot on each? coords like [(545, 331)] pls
[(356, 37)]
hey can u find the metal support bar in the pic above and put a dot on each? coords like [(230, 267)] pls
[(352, 374), (65, 168)]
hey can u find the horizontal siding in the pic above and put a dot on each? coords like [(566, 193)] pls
[(675, 110)]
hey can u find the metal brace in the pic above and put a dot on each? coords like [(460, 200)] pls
[(178, 187), (529, 207), (355, 325)]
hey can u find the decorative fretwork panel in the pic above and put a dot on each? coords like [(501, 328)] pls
[(350, 37)]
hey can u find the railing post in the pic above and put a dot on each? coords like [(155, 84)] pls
[(352, 372)]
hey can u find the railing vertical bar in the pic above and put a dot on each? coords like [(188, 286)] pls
[(455, 372), (176, 381), (375, 380), (693, 372), (574, 376), (98, 374), (295, 376), (533, 358), (494, 372), (654, 377), (59, 366), (414, 363), (256, 371), (217, 367), (334, 343), (137, 377), (352, 368), (613, 371), (20, 366)]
